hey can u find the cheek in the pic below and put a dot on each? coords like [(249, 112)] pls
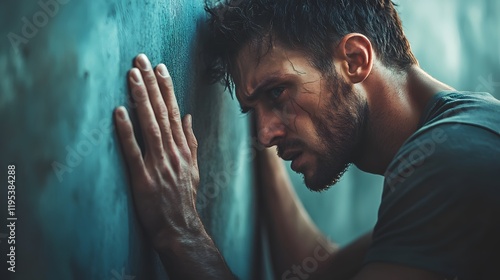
[(295, 112), (288, 114), (299, 121)]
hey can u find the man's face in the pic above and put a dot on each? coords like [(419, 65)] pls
[(315, 120)]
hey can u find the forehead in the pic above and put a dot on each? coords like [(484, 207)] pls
[(255, 65)]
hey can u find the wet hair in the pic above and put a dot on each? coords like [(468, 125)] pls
[(310, 26)]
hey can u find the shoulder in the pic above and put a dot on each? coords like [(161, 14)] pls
[(441, 201), (458, 153), (475, 108), (455, 167)]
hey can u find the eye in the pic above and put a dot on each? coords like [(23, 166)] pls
[(246, 110), (275, 93)]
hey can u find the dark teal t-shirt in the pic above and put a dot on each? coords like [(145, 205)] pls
[(440, 208)]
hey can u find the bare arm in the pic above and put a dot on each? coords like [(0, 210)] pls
[(164, 181), (296, 243)]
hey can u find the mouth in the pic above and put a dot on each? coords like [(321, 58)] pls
[(292, 156)]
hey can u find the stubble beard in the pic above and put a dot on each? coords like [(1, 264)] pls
[(340, 127)]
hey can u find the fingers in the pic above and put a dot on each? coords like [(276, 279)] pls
[(157, 108), (133, 155), (147, 120), (191, 138), (193, 147), (155, 97), (167, 90)]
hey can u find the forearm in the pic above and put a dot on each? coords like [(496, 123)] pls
[(295, 240), (292, 234), (193, 256), (348, 261)]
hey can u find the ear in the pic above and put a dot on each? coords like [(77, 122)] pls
[(355, 54)]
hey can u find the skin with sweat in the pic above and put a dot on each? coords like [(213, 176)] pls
[(313, 119)]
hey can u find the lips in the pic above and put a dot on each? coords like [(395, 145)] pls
[(294, 155), (291, 155)]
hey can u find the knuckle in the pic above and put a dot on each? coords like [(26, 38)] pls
[(176, 162), (149, 78), (153, 130), (194, 143), (139, 94), (186, 153), (162, 112), (175, 113), (165, 124), (149, 182), (193, 147), (165, 169)]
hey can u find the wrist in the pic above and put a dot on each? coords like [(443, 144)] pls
[(169, 240)]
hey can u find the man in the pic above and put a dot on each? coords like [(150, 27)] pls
[(329, 83)]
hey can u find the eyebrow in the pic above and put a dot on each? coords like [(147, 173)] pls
[(269, 80)]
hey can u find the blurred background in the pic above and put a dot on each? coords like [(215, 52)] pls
[(63, 65)]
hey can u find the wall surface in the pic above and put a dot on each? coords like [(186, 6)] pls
[(63, 71)]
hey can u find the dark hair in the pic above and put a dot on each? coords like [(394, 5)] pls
[(311, 26)]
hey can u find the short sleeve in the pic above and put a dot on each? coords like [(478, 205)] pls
[(441, 204)]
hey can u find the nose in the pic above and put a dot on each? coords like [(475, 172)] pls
[(270, 128)]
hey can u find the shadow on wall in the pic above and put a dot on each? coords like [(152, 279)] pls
[(60, 85)]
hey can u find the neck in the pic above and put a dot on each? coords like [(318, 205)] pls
[(396, 102)]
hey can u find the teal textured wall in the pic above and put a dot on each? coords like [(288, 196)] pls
[(63, 70), (61, 78)]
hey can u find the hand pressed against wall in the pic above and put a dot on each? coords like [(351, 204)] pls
[(165, 179)]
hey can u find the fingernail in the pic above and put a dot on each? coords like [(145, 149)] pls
[(163, 71), (122, 113), (143, 62), (135, 76)]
